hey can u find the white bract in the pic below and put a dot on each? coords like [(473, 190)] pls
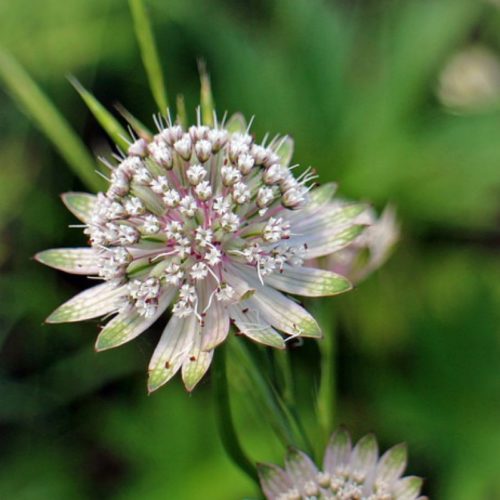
[(348, 473), (369, 250), (214, 226)]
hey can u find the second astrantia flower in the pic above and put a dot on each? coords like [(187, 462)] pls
[(348, 473), (214, 224)]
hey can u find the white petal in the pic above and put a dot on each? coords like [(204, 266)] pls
[(250, 324), (408, 488), (215, 327), (392, 464), (338, 451), (80, 205), (328, 216), (195, 364), (241, 287), (285, 150), (327, 230), (91, 303), (329, 241), (236, 123), (275, 308), (284, 314), (300, 468), (175, 344), (308, 281), (274, 481), (364, 455), (129, 324), (70, 260)]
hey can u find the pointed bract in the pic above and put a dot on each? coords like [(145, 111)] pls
[(392, 463), (308, 281), (274, 481), (70, 260), (368, 251), (173, 348), (285, 150), (195, 364), (81, 205), (338, 451), (236, 124), (92, 303)]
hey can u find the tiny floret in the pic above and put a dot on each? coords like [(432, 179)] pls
[(213, 226)]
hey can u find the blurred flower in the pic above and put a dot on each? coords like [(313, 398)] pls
[(470, 80), (347, 474), (214, 224), (369, 250)]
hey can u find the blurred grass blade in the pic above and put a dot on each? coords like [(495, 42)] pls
[(107, 121), (149, 53), (139, 128), (181, 111), (206, 97), (48, 119)]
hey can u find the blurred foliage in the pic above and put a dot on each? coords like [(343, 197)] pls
[(356, 84)]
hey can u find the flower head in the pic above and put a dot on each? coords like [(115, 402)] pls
[(369, 250), (348, 473), (214, 225)]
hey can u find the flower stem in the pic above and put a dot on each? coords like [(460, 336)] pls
[(227, 430), (287, 394), (327, 394)]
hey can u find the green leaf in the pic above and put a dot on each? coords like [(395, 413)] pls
[(48, 119), (149, 53), (107, 121)]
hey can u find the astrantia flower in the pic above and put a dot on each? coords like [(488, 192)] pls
[(369, 250), (210, 223), (347, 474)]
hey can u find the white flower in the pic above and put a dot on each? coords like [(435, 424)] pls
[(348, 473), (219, 242)]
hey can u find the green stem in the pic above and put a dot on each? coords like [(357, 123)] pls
[(327, 394), (287, 394), (282, 361), (225, 422)]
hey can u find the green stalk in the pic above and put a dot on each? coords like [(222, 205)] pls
[(287, 395), (286, 384), (327, 394), (265, 395), (225, 422)]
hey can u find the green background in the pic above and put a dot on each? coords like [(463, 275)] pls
[(355, 84)]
